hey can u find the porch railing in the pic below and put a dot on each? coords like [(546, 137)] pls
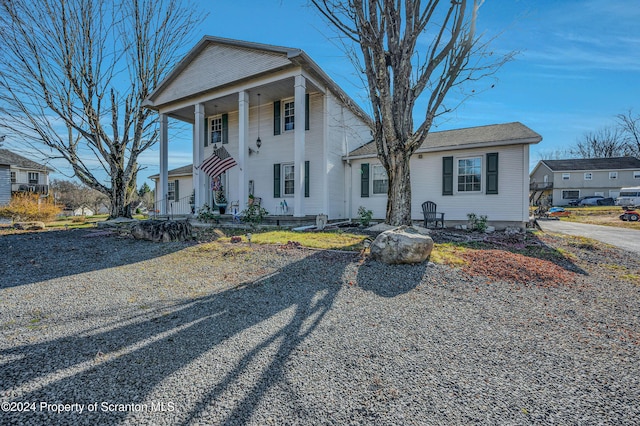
[(38, 188), (181, 207)]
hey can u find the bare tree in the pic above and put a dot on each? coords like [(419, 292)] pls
[(74, 74), (74, 195), (400, 72), (629, 125), (607, 142)]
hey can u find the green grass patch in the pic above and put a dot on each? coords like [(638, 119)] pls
[(319, 240), (448, 254)]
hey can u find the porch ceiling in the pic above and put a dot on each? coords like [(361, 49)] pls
[(269, 93)]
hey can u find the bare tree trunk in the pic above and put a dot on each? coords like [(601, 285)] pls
[(399, 191), (388, 34)]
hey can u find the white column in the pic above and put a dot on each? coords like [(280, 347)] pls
[(162, 191), (298, 148), (243, 144), (198, 156)]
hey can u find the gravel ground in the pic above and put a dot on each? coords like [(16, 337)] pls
[(134, 332)]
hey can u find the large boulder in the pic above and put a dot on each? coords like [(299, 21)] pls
[(404, 244), (161, 230)]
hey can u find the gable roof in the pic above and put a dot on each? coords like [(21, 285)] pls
[(12, 159), (260, 59), (581, 164), (470, 137), (180, 171)]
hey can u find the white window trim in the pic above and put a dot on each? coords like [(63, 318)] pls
[(636, 174), (566, 176), (373, 193), (36, 176), (212, 120), (613, 175), (282, 180), (171, 193), (284, 114), (588, 176), (456, 174)]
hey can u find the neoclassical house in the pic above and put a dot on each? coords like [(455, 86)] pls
[(281, 130)]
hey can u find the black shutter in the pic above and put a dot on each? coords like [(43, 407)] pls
[(306, 179), (306, 111), (176, 193), (492, 173), (276, 118), (206, 140), (364, 180), (276, 181), (225, 128), (447, 175)]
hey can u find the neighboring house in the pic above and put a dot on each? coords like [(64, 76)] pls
[(179, 188), (19, 174), (557, 182), (293, 135)]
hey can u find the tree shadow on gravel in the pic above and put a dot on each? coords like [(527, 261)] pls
[(220, 353), (390, 280), (39, 256)]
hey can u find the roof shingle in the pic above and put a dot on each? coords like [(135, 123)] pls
[(579, 164), (470, 137)]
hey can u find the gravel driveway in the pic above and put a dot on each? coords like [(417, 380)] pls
[(109, 330)]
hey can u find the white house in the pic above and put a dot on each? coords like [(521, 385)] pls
[(293, 135), (20, 174), (179, 189)]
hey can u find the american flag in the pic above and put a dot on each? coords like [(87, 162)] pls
[(219, 162)]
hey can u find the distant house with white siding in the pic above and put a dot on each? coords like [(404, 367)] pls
[(292, 135), (557, 182), (20, 174)]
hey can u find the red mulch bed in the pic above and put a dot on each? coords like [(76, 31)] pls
[(499, 265)]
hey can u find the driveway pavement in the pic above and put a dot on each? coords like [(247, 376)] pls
[(627, 239)]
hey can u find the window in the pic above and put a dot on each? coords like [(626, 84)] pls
[(613, 175), (469, 174), (566, 176), (289, 115), (13, 177), (216, 129), (570, 195), (33, 178), (288, 179), (588, 176), (636, 175), (171, 192), (380, 180)]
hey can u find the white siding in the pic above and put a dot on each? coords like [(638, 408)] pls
[(326, 166), (5, 185), (218, 65), (426, 180)]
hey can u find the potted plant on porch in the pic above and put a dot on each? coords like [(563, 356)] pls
[(220, 200)]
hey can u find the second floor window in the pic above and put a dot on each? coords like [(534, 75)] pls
[(216, 130), (33, 178), (289, 115)]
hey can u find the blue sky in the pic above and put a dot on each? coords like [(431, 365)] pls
[(578, 66)]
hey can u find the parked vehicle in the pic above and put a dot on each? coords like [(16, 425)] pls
[(590, 200), (629, 197), (630, 215)]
